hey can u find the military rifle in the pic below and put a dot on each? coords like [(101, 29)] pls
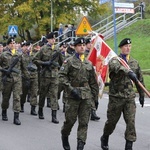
[(8, 71)]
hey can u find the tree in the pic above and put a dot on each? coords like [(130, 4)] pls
[(33, 16)]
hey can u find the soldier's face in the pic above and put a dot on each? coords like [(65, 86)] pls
[(24, 49), (126, 49), (51, 41), (80, 48), (88, 46)]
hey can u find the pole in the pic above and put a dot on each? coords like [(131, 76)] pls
[(51, 16), (114, 20)]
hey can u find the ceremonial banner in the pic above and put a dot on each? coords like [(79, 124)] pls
[(100, 55)]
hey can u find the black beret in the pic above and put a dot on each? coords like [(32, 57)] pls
[(4, 44), (50, 35), (87, 41), (11, 39), (23, 43), (41, 43), (28, 43), (79, 41), (124, 42), (63, 44)]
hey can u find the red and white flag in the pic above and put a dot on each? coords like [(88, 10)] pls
[(100, 55)]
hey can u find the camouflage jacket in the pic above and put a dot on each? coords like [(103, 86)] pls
[(120, 84), (81, 75), (46, 54), (6, 60), (30, 66), (65, 56)]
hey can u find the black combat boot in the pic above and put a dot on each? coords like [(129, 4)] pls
[(16, 118), (22, 108), (54, 119), (80, 144), (93, 115), (33, 112), (65, 142), (40, 113), (4, 115), (104, 142), (128, 145), (48, 102)]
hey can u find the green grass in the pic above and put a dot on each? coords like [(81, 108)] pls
[(139, 33)]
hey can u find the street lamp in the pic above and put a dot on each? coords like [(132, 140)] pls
[(51, 15)]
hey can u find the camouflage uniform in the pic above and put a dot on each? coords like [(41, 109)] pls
[(33, 80), (13, 82), (1, 50), (0, 82), (80, 75), (48, 77), (29, 85), (122, 97)]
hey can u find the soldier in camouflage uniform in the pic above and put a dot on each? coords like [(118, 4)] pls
[(122, 95), (1, 50), (95, 103), (31, 85), (12, 82), (78, 77), (50, 60)]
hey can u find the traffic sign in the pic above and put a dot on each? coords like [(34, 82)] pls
[(84, 27), (13, 30), (124, 5), (124, 10)]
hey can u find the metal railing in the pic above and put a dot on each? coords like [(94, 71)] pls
[(104, 27), (107, 30)]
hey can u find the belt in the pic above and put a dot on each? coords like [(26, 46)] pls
[(80, 84)]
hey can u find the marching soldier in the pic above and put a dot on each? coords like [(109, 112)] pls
[(29, 85), (12, 66), (78, 77), (122, 95), (1, 50), (50, 60)]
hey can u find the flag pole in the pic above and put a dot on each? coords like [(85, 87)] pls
[(144, 89)]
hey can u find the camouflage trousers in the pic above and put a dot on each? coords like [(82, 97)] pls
[(9, 87), (48, 87), (116, 107), (61, 89), (31, 89), (77, 109)]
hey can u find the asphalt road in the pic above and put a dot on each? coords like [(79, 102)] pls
[(36, 134)]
